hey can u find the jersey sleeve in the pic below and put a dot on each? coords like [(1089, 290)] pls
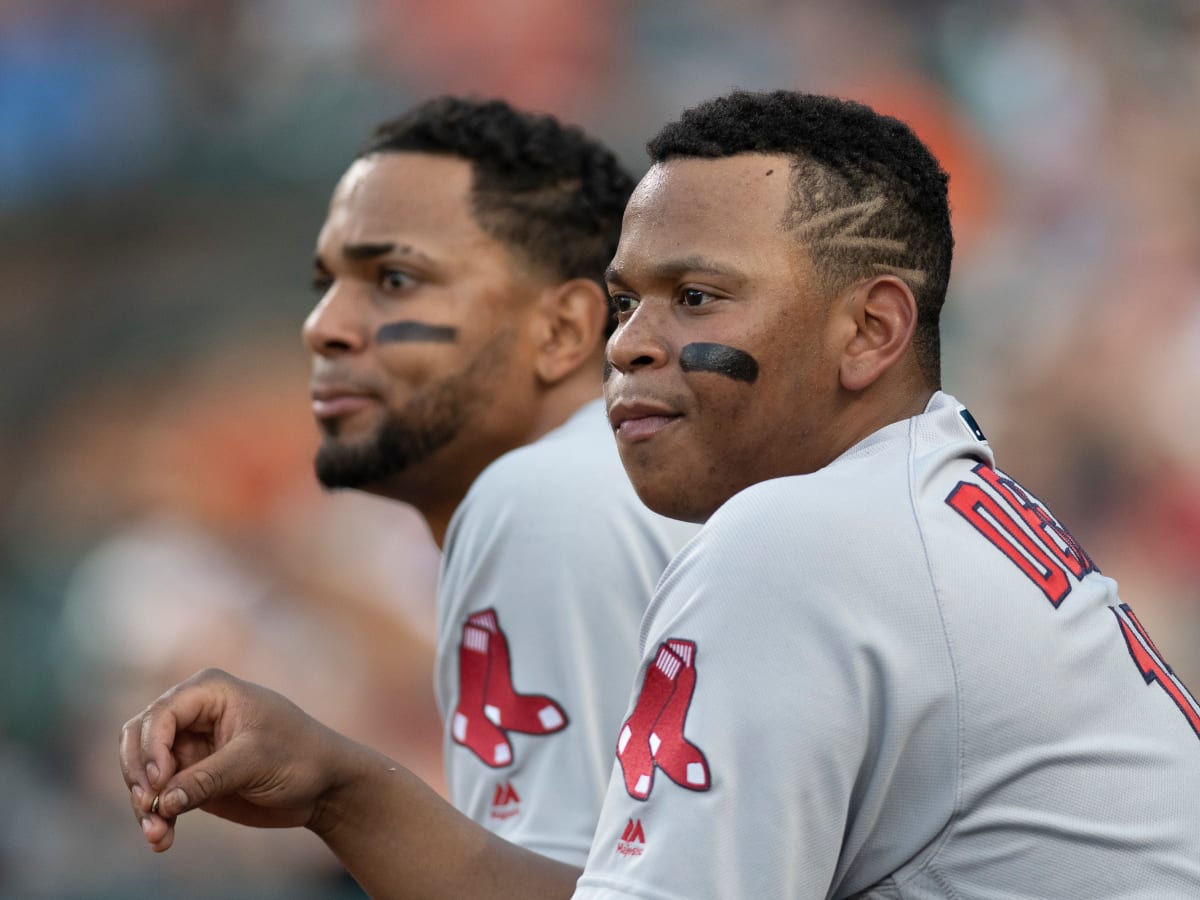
[(548, 569), (768, 723)]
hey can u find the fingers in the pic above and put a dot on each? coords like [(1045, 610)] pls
[(158, 830), (134, 770), (151, 742), (240, 751)]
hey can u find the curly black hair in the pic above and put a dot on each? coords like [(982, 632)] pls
[(552, 194), (867, 195)]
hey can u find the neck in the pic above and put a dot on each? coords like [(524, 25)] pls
[(564, 400), (883, 404), (438, 499), (435, 500)]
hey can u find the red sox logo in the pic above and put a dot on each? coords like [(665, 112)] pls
[(488, 704), (652, 737)]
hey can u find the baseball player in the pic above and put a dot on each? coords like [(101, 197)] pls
[(462, 316), (936, 693), (883, 669)]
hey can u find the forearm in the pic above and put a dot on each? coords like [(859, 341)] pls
[(400, 839)]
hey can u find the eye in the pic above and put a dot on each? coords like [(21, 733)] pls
[(321, 282), (624, 304), (394, 280), (695, 297)]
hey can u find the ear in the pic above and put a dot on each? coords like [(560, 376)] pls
[(572, 328), (884, 313)]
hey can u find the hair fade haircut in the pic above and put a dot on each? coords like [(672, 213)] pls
[(867, 196), (553, 195)]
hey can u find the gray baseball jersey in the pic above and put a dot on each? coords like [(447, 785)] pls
[(549, 564), (898, 677)]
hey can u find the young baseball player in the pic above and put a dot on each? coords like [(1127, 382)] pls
[(883, 669), (462, 316)]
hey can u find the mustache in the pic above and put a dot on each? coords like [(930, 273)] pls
[(416, 331)]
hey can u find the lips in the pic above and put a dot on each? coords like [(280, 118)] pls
[(639, 420), (332, 402)]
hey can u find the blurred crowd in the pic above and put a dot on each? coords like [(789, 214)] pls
[(164, 167)]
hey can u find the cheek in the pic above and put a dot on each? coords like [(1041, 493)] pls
[(409, 368), (736, 420), (721, 399)]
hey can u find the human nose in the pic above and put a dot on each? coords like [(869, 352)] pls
[(335, 325), (639, 342)]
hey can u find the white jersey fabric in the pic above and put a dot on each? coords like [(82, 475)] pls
[(898, 677), (549, 564)]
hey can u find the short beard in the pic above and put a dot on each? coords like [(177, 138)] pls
[(429, 421), (393, 447)]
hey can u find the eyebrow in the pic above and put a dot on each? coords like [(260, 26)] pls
[(368, 251), (673, 269)]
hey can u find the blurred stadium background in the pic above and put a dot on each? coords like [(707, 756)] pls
[(164, 168)]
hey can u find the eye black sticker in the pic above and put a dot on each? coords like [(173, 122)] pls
[(728, 361), (416, 331)]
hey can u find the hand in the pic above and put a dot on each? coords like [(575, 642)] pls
[(231, 748), (250, 755)]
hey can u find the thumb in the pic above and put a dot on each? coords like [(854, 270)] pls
[(213, 778)]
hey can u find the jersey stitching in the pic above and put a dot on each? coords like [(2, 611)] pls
[(933, 851)]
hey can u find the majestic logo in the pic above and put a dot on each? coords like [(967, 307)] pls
[(652, 737), (488, 704), (633, 840), (505, 801)]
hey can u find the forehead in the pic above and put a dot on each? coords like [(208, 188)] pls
[(403, 196), (719, 208)]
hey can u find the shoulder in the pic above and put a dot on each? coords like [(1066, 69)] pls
[(577, 457), (568, 485), (871, 494), (845, 500), (827, 543)]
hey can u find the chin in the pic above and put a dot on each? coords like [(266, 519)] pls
[(685, 508)]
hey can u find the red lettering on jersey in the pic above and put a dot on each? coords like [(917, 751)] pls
[(984, 512), (1153, 667), (1053, 536)]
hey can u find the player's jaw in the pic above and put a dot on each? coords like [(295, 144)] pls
[(391, 447), (363, 442)]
